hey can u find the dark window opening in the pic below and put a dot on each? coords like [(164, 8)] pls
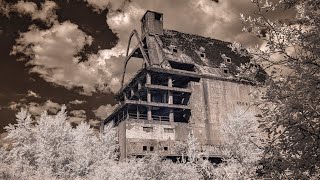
[(175, 50), (151, 148), (144, 148), (226, 71), (148, 129), (202, 55), (182, 115), (165, 148), (228, 60), (160, 114), (168, 130), (182, 66), (158, 17)]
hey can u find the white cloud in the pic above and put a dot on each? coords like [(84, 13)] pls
[(77, 116), (103, 111), (33, 94), (14, 105), (94, 122), (4, 8), (50, 106), (100, 5), (46, 13), (77, 101)]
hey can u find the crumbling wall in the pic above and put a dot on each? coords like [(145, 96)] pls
[(211, 102)]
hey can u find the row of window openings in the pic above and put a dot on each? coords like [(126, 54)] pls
[(202, 55), (145, 148), (150, 129)]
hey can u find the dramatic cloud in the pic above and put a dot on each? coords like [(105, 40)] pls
[(54, 53), (33, 94), (46, 12), (103, 111), (77, 101)]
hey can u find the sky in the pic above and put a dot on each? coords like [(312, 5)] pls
[(71, 52)]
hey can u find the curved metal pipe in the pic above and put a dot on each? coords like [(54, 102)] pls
[(145, 57)]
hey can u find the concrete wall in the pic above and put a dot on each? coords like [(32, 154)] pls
[(212, 101), (163, 134)]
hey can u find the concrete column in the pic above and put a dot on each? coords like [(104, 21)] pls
[(139, 85), (170, 81), (170, 100), (149, 115), (171, 115), (148, 81), (138, 113), (125, 96)]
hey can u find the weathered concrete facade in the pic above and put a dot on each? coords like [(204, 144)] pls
[(188, 84)]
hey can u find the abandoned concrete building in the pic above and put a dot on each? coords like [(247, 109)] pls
[(188, 84)]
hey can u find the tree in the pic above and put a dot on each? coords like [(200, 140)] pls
[(243, 149), (290, 103), (51, 149)]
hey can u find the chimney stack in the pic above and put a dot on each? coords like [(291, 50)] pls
[(152, 23)]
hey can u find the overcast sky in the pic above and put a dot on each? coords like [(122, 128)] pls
[(71, 51)]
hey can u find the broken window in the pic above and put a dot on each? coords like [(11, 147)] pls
[(226, 71), (144, 148), (158, 17), (165, 148), (151, 148), (228, 60), (148, 129), (175, 50), (202, 55), (182, 66), (168, 130)]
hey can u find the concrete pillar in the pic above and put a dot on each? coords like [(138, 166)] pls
[(139, 85), (125, 96), (149, 115), (138, 113), (170, 81), (148, 81), (171, 115), (170, 100)]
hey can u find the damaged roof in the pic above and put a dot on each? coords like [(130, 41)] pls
[(202, 51), (193, 45)]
